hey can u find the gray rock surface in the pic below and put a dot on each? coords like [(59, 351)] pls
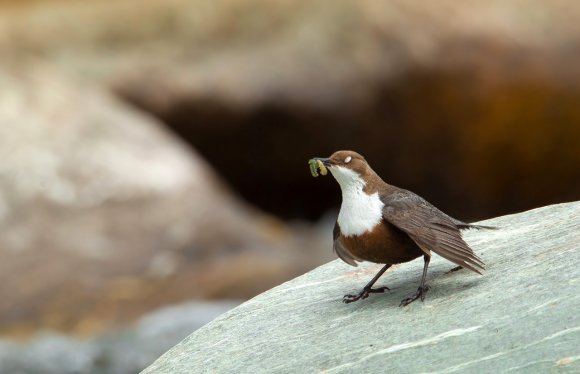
[(521, 315)]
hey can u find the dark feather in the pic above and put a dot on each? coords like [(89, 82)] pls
[(429, 228)]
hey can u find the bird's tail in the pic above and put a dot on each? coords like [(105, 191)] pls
[(465, 226)]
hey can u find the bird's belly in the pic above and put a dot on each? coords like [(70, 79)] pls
[(383, 244)]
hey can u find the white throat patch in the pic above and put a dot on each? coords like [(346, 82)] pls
[(359, 212)]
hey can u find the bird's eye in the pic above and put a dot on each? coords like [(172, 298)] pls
[(347, 160)]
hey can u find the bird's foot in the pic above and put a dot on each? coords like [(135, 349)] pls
[(363, 294), (421, 291)]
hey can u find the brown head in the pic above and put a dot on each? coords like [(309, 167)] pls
[(349, 168)]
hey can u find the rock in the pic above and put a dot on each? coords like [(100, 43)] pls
[(124, 351), (105, 215), (51, 354), (522, 314)]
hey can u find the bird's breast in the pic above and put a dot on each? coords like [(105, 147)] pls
[(359, 212)]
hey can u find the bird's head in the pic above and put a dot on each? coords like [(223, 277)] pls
[(348, 168)]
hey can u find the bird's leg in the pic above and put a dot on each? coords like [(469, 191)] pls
[(423, 288), (367, 289)]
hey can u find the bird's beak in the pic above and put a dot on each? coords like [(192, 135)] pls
[(325, 161)]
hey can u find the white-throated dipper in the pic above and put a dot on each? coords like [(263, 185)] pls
[(385, 224)]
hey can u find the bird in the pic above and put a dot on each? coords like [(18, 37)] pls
[(385, 224)]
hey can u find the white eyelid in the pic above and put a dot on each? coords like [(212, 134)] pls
[(347, 160)]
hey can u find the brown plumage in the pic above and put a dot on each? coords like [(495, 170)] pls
[(385, 224)]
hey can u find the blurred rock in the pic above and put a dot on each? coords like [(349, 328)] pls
[(468, 104), (122, 352), (473, 105), (104, 215)]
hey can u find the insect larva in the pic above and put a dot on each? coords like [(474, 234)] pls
[(323, 169), (315, 165)]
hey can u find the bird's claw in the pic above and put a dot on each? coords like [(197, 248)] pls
[(363, 294), (421, 291)]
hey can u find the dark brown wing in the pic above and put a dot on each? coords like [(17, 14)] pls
[(341, 250), (430, 228)]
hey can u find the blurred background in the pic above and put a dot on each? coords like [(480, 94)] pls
[(153, 153)]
